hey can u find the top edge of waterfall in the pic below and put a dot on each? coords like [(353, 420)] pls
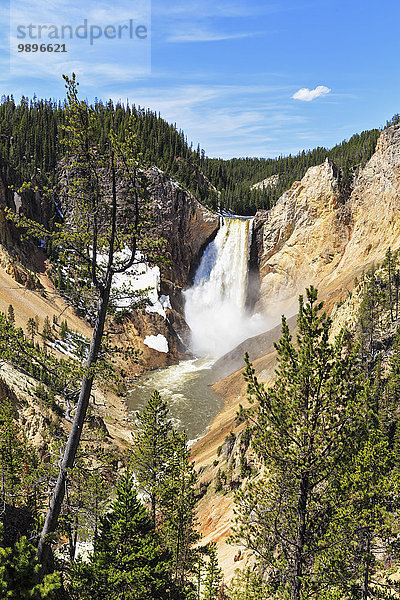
[(228, 215)]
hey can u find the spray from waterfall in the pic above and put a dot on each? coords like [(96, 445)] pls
[(215, 307)]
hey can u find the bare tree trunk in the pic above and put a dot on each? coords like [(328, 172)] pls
[(365, 583), (71, 447), (300, 537)]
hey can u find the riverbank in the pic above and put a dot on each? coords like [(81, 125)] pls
[(216, 509)]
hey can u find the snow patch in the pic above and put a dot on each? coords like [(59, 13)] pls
[(159, 305), (84, 550), (75, 345), (157, 342), (17, 202), (175, 184), (141, 281), (165, 302), (139, 278)]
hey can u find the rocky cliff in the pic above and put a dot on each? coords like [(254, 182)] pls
[(187, 227), (303, 239), (315, 236), (180, 219), (374, 209)]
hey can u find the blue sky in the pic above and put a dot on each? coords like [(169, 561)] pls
[(241, 78)]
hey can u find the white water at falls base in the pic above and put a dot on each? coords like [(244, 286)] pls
[(215, 307)]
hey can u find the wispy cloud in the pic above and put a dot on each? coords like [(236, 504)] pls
[(204, 35), (89, 52), (62, 11), (306, 95), (210, 8), (31, 67), (220, 118)]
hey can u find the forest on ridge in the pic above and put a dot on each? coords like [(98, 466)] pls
[(31, 146)]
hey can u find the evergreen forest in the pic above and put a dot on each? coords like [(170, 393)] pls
[(31, 145)]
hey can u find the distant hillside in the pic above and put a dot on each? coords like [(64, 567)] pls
[(235, 177), (31, 137)]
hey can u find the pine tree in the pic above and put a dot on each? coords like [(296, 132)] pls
[(161, 461), (308, 425), (47, 330), (164, 145), (365, 510), (63, 330), (32, 329), (151, 451), (370, 489), (14, 457), (362, 528), (11, 314), (247, 585), (19, 572), (371, 310), (128, 560), (178, 506), (213, 577), (394, 373), (389, 267), (94, 209)]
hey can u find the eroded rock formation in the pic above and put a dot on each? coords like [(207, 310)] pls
[(315, 236), (187, 227)]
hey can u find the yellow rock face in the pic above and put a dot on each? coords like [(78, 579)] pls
[(312, 236)]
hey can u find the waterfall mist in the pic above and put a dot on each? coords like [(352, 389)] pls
[(215, 307)]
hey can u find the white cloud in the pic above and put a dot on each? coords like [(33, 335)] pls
[(201, 8), (306, 95), (63, 11)]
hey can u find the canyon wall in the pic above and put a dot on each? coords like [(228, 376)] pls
[(184, 224), (186, 227), (315, 236)]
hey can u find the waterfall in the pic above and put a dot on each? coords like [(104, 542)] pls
[(215, 310), (215, 307)]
